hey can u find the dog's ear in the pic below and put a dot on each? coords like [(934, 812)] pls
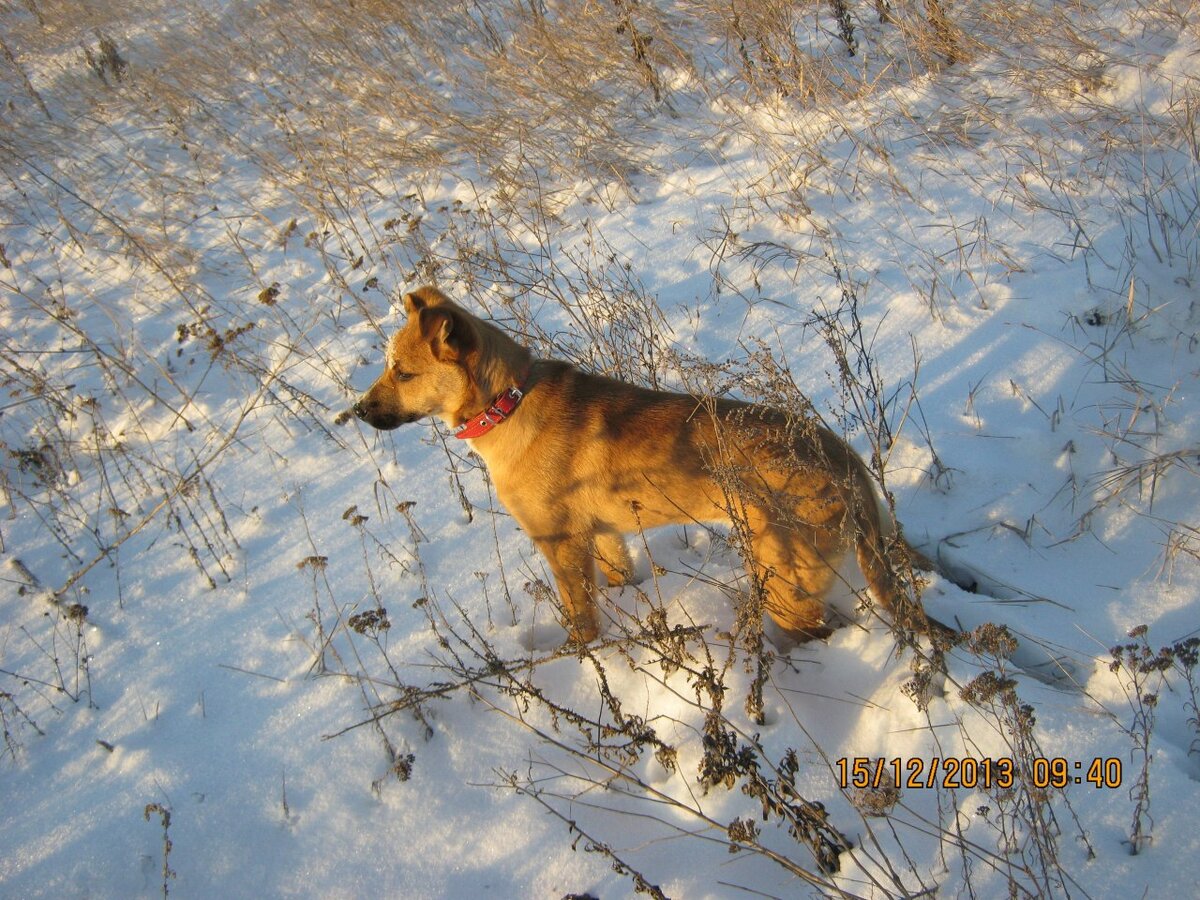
[(423, 298), (450, 335)]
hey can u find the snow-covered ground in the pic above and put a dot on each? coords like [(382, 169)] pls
[(200, 691)]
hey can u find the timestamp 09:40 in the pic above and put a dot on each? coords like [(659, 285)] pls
[(969, 773)]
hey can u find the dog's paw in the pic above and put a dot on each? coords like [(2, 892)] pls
[(620, 579), (785, 640)]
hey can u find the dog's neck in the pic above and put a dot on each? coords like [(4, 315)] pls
[(503, 366), (502, 406)]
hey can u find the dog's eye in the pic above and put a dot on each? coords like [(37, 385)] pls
[(402, 376)]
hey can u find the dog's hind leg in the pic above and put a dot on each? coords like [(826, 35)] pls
[(798, 565)]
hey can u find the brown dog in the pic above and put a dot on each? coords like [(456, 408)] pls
[(581, 460)]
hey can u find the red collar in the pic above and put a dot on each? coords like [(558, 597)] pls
[(502, 407)]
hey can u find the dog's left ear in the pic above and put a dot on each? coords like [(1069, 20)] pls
[(423, 298), (449, 334)]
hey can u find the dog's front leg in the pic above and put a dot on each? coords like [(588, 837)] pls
[(613, 558), (574, 570)]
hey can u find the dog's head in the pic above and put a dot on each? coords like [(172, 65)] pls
[(428, 365)]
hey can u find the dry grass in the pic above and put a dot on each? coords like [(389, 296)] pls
[(156, 168)]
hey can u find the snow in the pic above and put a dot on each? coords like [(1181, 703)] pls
[(1022, 249)]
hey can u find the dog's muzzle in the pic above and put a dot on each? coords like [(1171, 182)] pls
[(378, 418)]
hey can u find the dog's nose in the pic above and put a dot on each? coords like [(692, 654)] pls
[(360, 409)]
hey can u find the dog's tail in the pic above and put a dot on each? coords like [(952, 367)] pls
[(883, 554)]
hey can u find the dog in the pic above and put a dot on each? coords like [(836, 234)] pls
[(581, 460)]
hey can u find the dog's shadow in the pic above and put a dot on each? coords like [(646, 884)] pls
[(691, 574), (969, 597)]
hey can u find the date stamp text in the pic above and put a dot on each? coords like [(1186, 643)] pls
[(954, 772)]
